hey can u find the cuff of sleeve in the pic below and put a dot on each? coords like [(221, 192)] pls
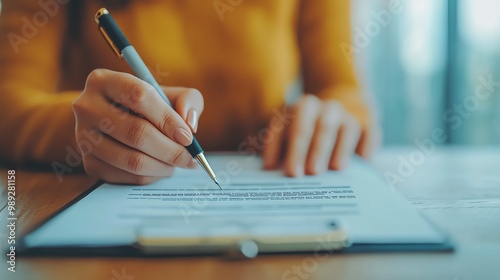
[(41, 128)]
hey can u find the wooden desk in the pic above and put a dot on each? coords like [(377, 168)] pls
[(457, 188)]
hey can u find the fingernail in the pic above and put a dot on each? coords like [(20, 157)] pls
[(183, 137), (192, 119), (320, 167), (344, 163), (193, 164), (299, 171)]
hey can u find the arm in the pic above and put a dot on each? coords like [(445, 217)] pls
[(98, 128), (332, 121), (37, 122), (323, 26)]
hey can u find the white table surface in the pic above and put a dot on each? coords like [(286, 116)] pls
[(459, 190)]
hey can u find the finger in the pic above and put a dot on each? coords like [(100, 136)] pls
[(99, 169), (131, 160), (188, 102), (139, 134), (325, 136), (143, 99), (300, 135), (274, 146), (348, 136), (370, 141)]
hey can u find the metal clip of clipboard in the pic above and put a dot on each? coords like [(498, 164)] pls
[(240, 240)]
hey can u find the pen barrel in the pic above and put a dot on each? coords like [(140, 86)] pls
[(121, 46), (141, 70)]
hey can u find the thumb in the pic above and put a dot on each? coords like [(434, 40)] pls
[(188, 103)]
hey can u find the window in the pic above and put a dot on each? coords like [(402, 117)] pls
[(425, 66)]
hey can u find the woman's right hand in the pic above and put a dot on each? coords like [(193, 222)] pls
[(138, 138)]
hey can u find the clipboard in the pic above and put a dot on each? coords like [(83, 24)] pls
[(241, 242), (161, 241), (330, 233)]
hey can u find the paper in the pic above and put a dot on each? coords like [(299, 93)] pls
[(251, 199)]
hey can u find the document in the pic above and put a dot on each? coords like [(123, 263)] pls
[(251, 200)]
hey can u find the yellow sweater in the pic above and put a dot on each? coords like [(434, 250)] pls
[(243, 55)]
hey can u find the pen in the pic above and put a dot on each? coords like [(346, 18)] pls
[(123, 49)]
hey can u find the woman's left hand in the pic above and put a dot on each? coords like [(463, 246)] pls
[(322, 135)]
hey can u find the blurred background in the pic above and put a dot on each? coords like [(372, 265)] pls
[(430, 64), (427, 64)]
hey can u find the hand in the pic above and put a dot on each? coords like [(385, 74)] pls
[(322, 135), (136, 137)]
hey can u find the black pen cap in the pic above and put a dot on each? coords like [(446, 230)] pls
[(111, 32)]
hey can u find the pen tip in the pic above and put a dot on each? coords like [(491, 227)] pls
[(215, 180)]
